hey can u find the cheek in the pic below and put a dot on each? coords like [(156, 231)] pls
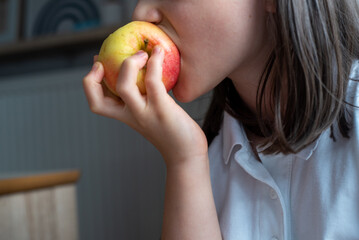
[(212, 46), (196, 80), (205, 63)]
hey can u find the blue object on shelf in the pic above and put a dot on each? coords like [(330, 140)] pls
[(82, 13)]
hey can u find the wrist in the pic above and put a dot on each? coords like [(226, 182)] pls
[(188, 164), (189, 209)]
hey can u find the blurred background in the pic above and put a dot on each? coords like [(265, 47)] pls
[(46, 48)]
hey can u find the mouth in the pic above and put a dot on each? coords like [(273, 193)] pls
[(171, 33)]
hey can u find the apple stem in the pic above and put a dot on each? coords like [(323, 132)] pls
[(146, 43)]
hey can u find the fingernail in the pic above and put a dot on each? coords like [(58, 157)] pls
[(157, 49), (141, 53), (95, 66)]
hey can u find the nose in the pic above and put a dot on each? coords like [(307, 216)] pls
[(147, 11)]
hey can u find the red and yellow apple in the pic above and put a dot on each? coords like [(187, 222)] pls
[(128, 40)]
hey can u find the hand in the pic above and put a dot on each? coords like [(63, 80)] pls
[(155, 115)]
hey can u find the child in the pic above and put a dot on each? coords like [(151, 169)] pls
[(283, 161)]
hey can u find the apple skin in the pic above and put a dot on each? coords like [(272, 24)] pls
[(128, 40)]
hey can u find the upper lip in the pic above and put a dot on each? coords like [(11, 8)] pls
[(170, 31)]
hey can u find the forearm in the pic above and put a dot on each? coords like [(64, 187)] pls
[(189, 207), (189, 211)]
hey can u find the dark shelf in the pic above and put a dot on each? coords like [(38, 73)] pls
[(55, 42)]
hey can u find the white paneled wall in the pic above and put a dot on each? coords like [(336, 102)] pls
[(48, 213), (45, 124)]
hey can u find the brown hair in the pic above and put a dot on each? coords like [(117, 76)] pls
[(307, 74)]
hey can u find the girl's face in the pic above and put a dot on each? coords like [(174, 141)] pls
[(216, 39)]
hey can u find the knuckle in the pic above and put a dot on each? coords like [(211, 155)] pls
[(156, 58), (155, 67), (95, 108), (129, 63), (86, 80), (122, 89), (153, 60)]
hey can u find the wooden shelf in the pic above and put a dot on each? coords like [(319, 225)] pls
[(32, 182), (56, 41)]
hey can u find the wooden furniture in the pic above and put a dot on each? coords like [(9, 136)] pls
[(41, 206)]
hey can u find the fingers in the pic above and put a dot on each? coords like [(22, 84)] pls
[(99, 103), (154, 86), (126, 86), (92, 86), (131, 101), (107, 105)]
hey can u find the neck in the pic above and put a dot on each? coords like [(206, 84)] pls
[(246, 79)]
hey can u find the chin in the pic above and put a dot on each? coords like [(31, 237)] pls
[(182, 94), (185, 93)]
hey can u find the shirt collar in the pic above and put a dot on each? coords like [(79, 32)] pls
[(307, 152), (234, 138)]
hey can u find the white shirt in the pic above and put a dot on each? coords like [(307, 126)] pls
[(313, 194)]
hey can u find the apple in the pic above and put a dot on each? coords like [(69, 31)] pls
[(128, 40)]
